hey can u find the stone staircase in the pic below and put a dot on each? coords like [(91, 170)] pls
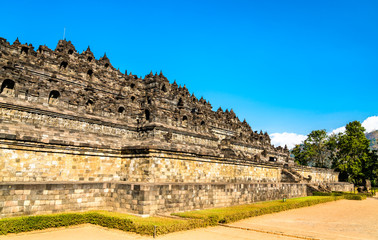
[(291, 175), (318, 187)]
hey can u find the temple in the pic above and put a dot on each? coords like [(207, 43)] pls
[(77, 134)]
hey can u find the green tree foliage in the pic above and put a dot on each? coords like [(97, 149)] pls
[(332, 147), (316, 141), (301, 155), (346, 152), (353, 153), (314, 150), (372, 167)]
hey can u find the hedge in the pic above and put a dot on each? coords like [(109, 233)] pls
[(346, 195), (142, 226), (236, 213), (355, 196)]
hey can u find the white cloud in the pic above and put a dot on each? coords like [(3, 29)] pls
[(370, 124), (290, 139), (337, 130)]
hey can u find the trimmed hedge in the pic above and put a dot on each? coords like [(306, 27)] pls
[(346, 195), (25, 224), (104, 219), (236, 213), (355, 196)]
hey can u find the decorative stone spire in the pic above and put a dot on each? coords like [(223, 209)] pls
[(149, 75), (232, 113), (17, 42), (88, 53), (174, 84), (65, 47), (105, 58)]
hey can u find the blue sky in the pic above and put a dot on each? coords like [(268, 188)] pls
[(285, 66)]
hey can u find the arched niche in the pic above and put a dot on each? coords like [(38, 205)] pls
[(180, 103), (53, 97), (89, 105), (89, 72), (147, 114), (8, 87), (24, 50), (164, 88), (185, 121), (63, 64), (121, 110)]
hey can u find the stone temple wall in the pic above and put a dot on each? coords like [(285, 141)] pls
[(32, 162), (318, 175), (25, 198), (159, 198), (46, 178), (139, 198), (27, 162)]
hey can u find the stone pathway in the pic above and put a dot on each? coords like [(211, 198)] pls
[(344, 219)]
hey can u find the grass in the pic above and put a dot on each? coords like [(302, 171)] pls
[(125, 222), (235, 213), (164, 224)]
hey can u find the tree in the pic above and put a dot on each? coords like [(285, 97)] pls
[(301, 155), (347, 153), (316, 142), (314, 150), (353, 157), (332, 146)]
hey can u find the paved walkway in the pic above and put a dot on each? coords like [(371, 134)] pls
[(344, 219), (92, 232)]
